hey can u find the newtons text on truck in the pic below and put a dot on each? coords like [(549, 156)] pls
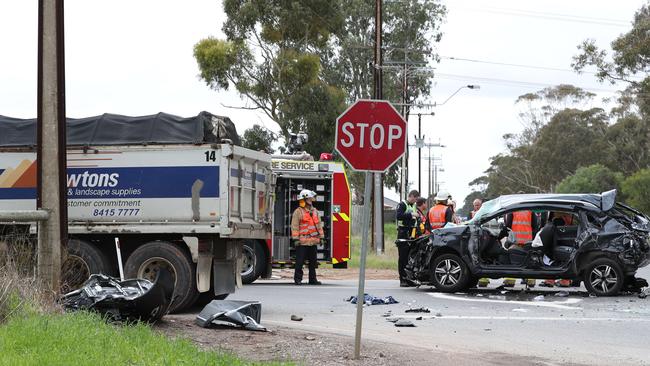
[(177, 192)]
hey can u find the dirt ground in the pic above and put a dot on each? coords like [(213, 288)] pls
[(312, 348), (325, 274)]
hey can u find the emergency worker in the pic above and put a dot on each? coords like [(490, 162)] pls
[(407, 217), (441, 213), (522, 224), (423, 224), (307, 234)]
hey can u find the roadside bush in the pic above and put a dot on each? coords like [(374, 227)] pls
[(20, 291), (635, 189), (591, 179)]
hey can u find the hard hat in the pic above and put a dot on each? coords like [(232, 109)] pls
[(305, 193), (442, 196)]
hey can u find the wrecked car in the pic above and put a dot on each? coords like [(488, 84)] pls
[(582, 237)]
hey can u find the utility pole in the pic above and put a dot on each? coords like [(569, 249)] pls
[(377, 239), (51, 142)]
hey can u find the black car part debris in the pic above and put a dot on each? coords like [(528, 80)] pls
[(128, 300), (234, 313), (373, 300), (418, 310)]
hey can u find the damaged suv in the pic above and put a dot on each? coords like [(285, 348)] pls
[(598, 241)]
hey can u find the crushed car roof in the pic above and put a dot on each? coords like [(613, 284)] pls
[(604, 201)]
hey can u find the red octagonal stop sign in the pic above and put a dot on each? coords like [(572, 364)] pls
[(371, 135)]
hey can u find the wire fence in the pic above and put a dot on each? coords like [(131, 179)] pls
[(357, 214)]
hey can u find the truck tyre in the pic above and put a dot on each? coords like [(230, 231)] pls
[(449, 273), (603, 277), (147, 259), (83, 260), (253, 261)]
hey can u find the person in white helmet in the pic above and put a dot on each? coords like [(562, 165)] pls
[(306, 233), (441, 213)]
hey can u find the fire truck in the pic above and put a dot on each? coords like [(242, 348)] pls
[(294, 172)]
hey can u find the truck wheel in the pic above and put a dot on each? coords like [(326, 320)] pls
[(253, 261), (603, 277), (450, 274), (146, 261), (83, 260)]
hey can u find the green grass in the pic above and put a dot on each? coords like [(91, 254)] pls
[(85, 339), (388, 260)]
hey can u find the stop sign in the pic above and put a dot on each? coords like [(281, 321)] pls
[(371, 135)]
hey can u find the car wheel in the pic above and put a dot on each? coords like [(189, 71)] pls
[(603, 277), (253, 261), (450, 274), (84, 259), (148, 259)]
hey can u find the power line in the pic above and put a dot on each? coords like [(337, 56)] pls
[(510, 82), (452, 58), (552, 16)]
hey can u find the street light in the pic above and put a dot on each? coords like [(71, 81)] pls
[(469, 86)]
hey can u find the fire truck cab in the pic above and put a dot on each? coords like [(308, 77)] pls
[(328, 179)]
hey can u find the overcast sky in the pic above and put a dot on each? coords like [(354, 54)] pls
[(135, 58)]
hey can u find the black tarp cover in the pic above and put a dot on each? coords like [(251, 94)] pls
[(114, 129)]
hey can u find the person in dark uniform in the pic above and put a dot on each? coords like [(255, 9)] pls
[(407, 218)]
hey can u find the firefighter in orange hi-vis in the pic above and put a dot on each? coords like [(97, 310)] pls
[(522, 224), (440, 214), (306, 233)]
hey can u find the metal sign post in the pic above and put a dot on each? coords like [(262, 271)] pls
[(370, 136), (365, 224)]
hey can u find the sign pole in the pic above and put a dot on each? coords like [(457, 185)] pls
[(365, 224)]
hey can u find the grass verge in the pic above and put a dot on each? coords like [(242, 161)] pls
[(387, 260), (85, 339)]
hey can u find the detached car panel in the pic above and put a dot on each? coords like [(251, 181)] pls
[(603, 244)]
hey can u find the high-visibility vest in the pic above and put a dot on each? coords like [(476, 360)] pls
[(438, 216), (423, 221), (568, 218), (522, 226), (309, 231), (410, 208)]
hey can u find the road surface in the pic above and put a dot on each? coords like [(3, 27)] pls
[(552, 325)]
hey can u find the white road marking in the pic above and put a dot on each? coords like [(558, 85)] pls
[(519, 318), (553, 304)]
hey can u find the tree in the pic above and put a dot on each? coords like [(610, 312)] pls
[(635, 190), (258, 138), (558, 138), (271, 56), (591, 179)]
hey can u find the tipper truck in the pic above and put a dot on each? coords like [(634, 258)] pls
[(177, 193)]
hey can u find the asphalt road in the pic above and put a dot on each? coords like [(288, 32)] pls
[(547, 325)]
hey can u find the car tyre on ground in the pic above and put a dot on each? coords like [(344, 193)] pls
[(603, 277), (449, 273), (83, 260), (253, 261), (147, 259)]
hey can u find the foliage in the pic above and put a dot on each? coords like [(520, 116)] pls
[(258, 138), (86, 339), (301, 63), (595, 178), (552, 144), (387, 260), (635, 189)]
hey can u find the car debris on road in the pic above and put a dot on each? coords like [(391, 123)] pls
[(373, 300), (128, 300), (234, 313)]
